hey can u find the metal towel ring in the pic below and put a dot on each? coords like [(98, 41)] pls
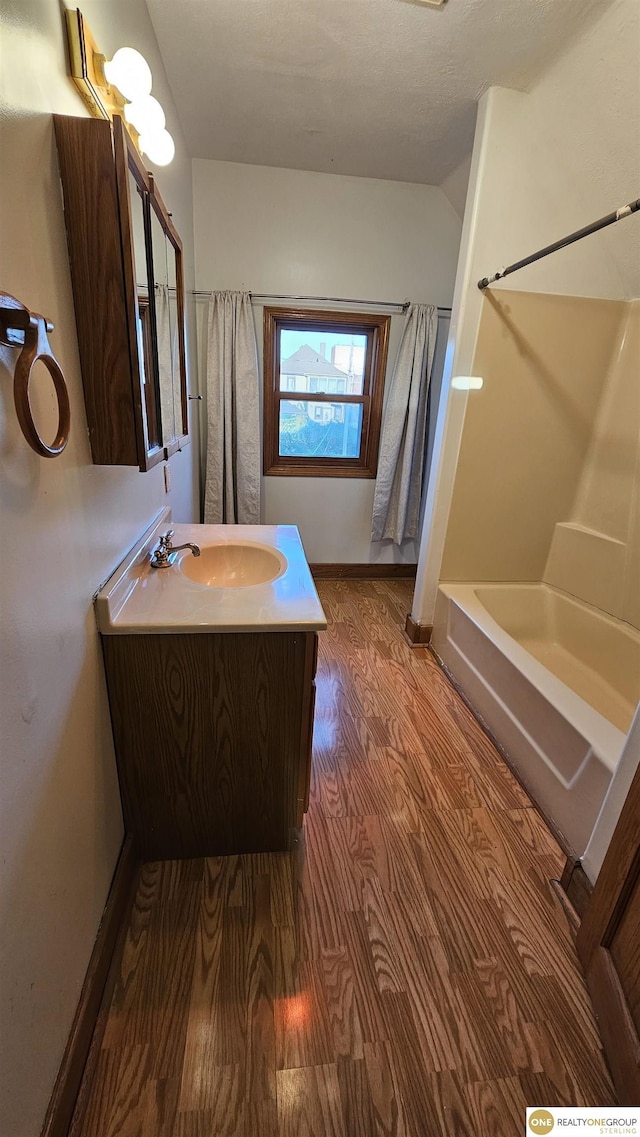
[(19, 326)]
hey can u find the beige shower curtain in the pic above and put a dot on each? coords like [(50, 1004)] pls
[(232, 484), (396, 503)]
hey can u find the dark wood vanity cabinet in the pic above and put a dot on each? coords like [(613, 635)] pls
[(128, 290), (213, 737)]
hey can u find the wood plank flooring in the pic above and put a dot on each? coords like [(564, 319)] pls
[(404, 972)]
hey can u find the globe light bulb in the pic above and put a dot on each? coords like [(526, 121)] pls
[(158, 146), (146, 115), (130, 73)]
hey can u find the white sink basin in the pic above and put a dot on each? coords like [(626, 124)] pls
[(248, 578), (237, 564)]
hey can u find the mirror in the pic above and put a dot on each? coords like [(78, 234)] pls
[(163, 327), (160, 299), (176, 318), (138, 200), (166, 249), (158, 259)]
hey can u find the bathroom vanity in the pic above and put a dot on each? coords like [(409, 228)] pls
[(211, 690)]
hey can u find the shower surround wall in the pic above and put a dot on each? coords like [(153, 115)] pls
[(527, 433), (595, 551), (548, 479)]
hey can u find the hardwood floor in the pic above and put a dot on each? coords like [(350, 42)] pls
[(404, 972)]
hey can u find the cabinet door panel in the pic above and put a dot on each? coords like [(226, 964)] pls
[(207, 732), (92, 219), (110, 202)]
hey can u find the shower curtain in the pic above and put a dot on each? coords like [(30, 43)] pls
[(396, 503), (232, 483)]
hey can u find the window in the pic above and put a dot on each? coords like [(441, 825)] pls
[(309, 359)]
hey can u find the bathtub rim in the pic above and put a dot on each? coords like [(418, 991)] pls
[(605, 739)]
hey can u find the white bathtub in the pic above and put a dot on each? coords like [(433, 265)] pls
[(555, 680)]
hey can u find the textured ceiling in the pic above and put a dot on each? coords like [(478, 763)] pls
[(376, 88)]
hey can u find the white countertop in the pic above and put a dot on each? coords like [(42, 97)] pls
[(138, 599)]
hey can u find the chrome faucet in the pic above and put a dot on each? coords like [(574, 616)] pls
[(165, 553)]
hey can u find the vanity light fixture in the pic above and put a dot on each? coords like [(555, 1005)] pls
[(158, 146), (122, 86), (467, 383), (145, 115), (130, 73)]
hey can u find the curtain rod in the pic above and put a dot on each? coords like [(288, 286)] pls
[(610, 219), (260, 296)]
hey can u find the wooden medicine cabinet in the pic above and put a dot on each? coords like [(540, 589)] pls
[(128, 290)]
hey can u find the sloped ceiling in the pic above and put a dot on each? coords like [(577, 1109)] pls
[(375, 88)]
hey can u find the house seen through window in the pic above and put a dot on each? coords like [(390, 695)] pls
[(324, 374)]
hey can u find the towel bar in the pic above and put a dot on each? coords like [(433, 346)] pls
[(20, 328)]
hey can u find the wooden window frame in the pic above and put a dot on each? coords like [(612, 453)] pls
[(376, 328)]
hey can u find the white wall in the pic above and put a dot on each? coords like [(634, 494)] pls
[(65, 525), (293, 232), (456, 184)]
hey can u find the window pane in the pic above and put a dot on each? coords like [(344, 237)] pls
[(329, 362), (320, 430)]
